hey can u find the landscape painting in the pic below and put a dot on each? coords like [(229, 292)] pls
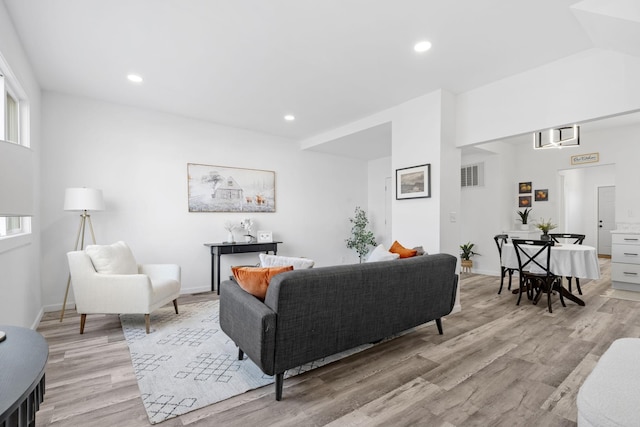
[(413, 182), (228, 189)]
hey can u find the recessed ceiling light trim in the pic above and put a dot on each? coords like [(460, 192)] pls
[(422, 46), (134, 78), (289, 117)]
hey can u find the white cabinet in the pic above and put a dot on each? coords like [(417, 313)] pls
[(625, 261), (524, 234)]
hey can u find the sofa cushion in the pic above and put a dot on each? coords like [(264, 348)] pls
[(381, 254), (267, 260), (112, 259), (255, 280), (397, 248)]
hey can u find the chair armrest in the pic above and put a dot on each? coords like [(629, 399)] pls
[(160, 271), (249, 323)]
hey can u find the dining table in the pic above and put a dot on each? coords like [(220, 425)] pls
[(567, 260)]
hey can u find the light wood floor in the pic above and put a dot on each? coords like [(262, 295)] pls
[(496, 364)]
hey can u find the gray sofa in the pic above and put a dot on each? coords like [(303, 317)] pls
[(314, 313)]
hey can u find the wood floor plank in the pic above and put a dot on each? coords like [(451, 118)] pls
[(496, 364)]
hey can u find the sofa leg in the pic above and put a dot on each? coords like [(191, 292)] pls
[(175, 305), (147, 321), (279, 383), (240, 354), (439, 325), (83, 318)]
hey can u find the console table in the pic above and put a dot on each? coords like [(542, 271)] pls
[(219, 249), (23, 356)]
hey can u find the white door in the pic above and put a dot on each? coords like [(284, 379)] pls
[(388, 196), (606, 218)]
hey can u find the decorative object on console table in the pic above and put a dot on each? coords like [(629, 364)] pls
[(361, 238), (219, 249), (545, 227), (524, 218), (225, 189), (247, 225), (265, 236), (230, 227), (625, 260), (83, 200), (466, 252), (413, 182)]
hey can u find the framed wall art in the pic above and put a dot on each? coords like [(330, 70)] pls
[(524, 201), (541, 195), (524, 187), (227, 189), (413, 182)]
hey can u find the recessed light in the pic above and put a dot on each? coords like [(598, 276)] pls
[(422, 46), (289, 117), (134, 78)]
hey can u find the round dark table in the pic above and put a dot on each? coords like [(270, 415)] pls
[(23, 356)]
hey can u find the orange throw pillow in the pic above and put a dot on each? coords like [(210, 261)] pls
[(397, 248), (255, 280)]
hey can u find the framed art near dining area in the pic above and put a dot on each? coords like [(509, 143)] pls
[(413, 182), (226, 189)]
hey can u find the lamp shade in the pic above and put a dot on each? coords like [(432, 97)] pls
[(83, 199)]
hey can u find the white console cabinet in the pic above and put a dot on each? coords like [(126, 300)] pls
[(525, 234), (625, 261)]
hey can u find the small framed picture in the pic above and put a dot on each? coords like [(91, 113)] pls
[(524, 201), (524, 187), (541, 195), (265, 237), (413, 182)]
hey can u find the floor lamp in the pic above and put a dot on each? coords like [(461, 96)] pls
[(83, 200)]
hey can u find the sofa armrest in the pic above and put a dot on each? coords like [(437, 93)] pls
[(249, 323)]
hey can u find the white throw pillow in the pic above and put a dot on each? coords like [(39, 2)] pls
[(112, 259), (381, 254), (267, 260)]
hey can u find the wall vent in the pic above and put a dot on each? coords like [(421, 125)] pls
[(472, 175)]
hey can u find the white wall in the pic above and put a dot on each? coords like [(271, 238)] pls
[(591, 84), (379, 170), (20, 294), (139, 159)]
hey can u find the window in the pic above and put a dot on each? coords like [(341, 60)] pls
[(472, 175), (14, 113)]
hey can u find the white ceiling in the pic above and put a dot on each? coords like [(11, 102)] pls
[(247, 63)]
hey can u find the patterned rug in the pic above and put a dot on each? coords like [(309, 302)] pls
[(186, 362)]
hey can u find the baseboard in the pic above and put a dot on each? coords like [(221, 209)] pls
[(36, 323)]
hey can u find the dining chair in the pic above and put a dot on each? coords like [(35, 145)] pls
[(500, 240), (574, 239), (542, 282)]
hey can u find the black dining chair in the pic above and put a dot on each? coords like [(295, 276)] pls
[(574, 239), (500, 240), (530, 282)]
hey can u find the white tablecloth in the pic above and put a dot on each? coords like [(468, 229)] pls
[(566, 260)]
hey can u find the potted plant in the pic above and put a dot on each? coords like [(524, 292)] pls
[(466, 252), (545, 226), (361, 238), (524, 218)]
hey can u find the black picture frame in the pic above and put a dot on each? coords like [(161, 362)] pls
[(413, 182)]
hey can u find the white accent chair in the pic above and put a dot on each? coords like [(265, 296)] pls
[(107, 280)]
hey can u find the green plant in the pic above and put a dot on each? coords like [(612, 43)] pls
[(361, 238), (466, 251), (545, 226), (524, 215)]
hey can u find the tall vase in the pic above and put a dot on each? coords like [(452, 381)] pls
[(230, 238), (545, 236)]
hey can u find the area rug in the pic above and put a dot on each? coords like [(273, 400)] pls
[(622, 294), (186, 362)]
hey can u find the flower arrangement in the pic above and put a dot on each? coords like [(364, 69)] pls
[(230, 227), (247, 225), (545, 226)]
